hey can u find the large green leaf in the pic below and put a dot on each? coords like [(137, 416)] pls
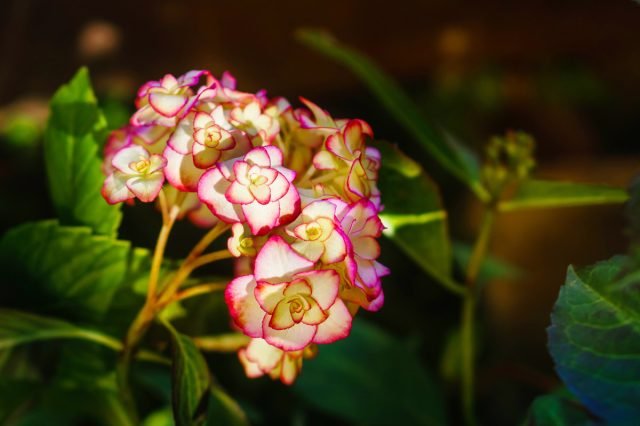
[(371, 379), (546, 193), (191, 379), (453, 156), (413, 214), (19, 328), (594, 339), (72, 139), (558, 409), (62, 270)]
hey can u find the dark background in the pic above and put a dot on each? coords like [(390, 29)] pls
[(566, 71)]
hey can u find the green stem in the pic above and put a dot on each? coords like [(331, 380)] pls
[(467, 320)]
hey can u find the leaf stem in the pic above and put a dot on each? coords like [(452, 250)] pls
[(198, 290), (467, 320), (185, 270), (168, 219)]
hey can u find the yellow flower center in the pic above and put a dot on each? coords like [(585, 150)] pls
[(313, 231), (213, 137), (257, 179), (142, 166)]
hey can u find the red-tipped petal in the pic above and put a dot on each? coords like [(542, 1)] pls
[(243, 307), (290, 339), (211, 191), (146, 188), (180, 170), (261, 218), (277, 261), (337, 326)]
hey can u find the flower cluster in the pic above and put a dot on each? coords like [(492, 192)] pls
[(297, 188)]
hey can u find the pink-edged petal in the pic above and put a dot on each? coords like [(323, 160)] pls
[(251, 369), (353, 137), (115, 189), (337, 326), (289, 369), (241, 172), (266, 356), (279, 187), (289, 206), (291, 339), (366, 247), (351, 267), (147, 187), (325, 285), (367, 272), (202, 120), (144, 116), (375, 304), (289, 174), (211, 191), (182, 138), (156, 163), (269, 295), (336, 145), (312, 250), (277, 261), (324, 160), (151, 135), (205, 157), (275, 155), (381, 270), (180, 170), (167, 105), (243, 307), (319, 209), (239, 194), (259, 156), (228, 80), (127, 155), (335, 248), (261, 193), (261, 218)]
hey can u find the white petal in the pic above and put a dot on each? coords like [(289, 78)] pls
[(337, 326), (277, 261)]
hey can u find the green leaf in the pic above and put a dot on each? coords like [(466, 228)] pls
[(63, 270), (545, 193), (223, 410), (371, 379), (452, 155), (558, 409), (190, 379), (73, 136), (413, 214), (594, 339), (18, 328)]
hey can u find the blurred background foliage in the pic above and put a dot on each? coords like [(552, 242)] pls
[(567, 72)]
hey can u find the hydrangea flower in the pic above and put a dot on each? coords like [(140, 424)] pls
[(298, 188), (136, 174), (254, 189)]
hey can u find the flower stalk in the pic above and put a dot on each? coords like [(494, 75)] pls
[(468, 315)]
